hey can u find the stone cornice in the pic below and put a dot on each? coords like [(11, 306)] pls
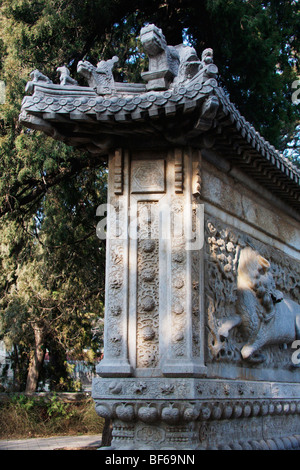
[(251, 136), (74, 102)]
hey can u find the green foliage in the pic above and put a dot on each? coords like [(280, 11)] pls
[(54, 275), (24, 402), (260, 69), (58, 409), (26, 416)]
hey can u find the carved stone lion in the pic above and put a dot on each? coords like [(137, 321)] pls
[(264, 315)]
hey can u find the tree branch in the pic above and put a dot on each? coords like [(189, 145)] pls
[(39, 188)]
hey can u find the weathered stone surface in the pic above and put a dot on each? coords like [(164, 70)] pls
[(203, 247), (201, 414)]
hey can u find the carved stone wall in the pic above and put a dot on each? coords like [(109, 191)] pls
[(172, 285), (187, 413), (223, 246), (196, 337)]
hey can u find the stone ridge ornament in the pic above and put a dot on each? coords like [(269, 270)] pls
[(202, 286), (163, 59), (101, 77), (65, 78)]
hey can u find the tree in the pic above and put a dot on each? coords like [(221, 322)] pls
[(255, 47), (292, 150), (53, 277)]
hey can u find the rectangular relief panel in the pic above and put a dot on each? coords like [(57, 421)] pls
[(147, 341), (148, 176), (148, 191), (185, 314), (154, 280), (115, 361), (166, 278), (252, 305)]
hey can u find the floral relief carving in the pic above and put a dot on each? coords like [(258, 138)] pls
[(178, 339), (265, 315), (147, 285), (115, 294)]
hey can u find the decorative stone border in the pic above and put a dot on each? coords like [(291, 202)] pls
[(278, 443), (174, 412)]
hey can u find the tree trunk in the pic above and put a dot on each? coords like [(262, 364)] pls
[(16, 369), (36, 361), (107, 433)]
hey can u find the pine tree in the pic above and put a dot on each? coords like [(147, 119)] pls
[(52, 276)]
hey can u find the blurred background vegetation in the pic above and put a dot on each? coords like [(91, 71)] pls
[(23, 416)]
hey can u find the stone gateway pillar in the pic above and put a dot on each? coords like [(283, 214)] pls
[(154, 302), (202, 316)]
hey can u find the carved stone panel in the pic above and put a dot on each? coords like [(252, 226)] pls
[(147, 341), (118, 172), (226, 335), (178, 170), (196, 287), (115, 287), (147, 176), (179, 294)]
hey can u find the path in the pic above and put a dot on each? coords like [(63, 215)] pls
[(51, 443)]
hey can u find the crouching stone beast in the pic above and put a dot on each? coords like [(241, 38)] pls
[(264, 315)]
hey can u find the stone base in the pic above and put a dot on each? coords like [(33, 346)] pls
[(199, 414), (185, 437)]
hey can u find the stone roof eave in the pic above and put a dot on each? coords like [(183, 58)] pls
[(185, 110)]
